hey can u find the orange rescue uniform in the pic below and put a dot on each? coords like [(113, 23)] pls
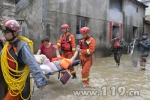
[(87, 47), (67, 45)]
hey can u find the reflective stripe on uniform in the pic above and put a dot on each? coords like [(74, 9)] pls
[(73, 49), (59, 44), (88, 42), (63, 71), (85, 79), (88, 51), (72, 72), (80, 54), (69, 39)]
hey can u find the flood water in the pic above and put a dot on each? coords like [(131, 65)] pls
[(109, 82)]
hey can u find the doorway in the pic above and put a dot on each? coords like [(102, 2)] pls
[(135, 31), (115, 31)]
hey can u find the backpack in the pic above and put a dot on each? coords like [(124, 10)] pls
[(29, 42), (27, 78)]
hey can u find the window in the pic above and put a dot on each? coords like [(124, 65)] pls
[(115, 31), (81, 22), (135, 31), (115, 5)]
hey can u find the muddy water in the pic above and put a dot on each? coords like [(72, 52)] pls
[(110, 83)]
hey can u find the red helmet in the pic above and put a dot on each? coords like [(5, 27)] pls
[(65, 26), (84, 30), (11, 24)]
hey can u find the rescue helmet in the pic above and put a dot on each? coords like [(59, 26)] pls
[(65, 26), (10, 25), (84, 30)]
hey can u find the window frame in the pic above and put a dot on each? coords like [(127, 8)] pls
[(112, 7), (79, 25)]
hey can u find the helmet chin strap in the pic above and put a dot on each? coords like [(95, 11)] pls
[(12, 37), (66, 31)]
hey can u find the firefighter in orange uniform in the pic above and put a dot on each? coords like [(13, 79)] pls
[(67, 45), (87, 47)]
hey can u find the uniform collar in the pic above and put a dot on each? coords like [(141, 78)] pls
[(15, 43)]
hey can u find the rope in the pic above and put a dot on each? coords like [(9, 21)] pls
[(14, 78)]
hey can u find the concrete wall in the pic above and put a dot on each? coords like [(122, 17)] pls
[(129, 17), (132, 18), (148, 9), (7, 9), (66, 11), (147, 13), (31, 13), (53, 13), (135, 18)]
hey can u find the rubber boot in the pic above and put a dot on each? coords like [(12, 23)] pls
[(74, 76), (117, 64), (135, 64), (86, 84), (142, 67)]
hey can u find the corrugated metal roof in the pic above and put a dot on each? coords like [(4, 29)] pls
[(140, 3)]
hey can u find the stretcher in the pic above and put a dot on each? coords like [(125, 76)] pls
[(47, 71)]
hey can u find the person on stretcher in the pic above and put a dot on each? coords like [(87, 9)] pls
[(58, 63)]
